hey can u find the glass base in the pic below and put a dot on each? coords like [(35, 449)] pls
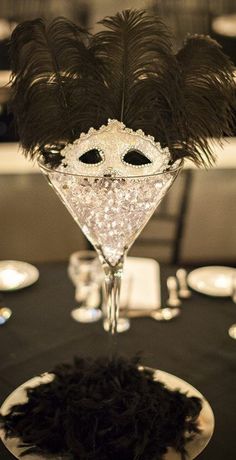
[(123, 324), (232, 331), (86, 315), (5, 314)]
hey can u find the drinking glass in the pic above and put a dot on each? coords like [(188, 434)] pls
[(86, 274), (232, 329)]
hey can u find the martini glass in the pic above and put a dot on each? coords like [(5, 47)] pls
[(111, 211)]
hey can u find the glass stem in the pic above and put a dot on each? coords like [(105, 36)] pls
[(112, 289), (113, 277)]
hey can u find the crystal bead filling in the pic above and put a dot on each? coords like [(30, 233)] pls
[(111, 211)]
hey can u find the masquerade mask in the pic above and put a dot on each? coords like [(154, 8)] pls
[(115, 150)]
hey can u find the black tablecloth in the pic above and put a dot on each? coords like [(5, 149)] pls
[(194, 346)]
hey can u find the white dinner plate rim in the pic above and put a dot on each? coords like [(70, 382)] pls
[(212, 292), (32, 273)]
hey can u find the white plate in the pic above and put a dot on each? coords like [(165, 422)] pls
[(215, 281), (194, 447), (15, 274)]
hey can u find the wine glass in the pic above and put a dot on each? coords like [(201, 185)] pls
[(86, 274), (111, 211), (232, 329)]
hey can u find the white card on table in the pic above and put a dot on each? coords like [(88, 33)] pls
[(141, 284)]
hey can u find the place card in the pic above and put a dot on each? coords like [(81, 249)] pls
[(141, 284)]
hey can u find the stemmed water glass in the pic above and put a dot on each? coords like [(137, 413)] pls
[(232, 329), (111, 211), (86, 274)]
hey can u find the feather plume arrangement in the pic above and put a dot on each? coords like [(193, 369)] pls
[(65, 80), (100, 409)]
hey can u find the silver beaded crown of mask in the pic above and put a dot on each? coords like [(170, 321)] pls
[(114, 149)]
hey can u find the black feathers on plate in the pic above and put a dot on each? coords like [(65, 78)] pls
[(65, 81), (101, 409)]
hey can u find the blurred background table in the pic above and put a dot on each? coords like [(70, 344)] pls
[(194, 346)]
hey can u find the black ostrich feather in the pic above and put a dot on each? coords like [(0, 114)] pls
[(57, 91), (208, 91), (135, 49), (66, 81)]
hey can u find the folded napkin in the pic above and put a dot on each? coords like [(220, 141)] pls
[(141, 284)]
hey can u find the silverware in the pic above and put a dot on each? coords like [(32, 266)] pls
[(5, 314), (161, 314), (184, 291), (173, 300)]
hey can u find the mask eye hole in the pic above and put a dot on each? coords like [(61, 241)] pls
[(91, 157), (136, 158)]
